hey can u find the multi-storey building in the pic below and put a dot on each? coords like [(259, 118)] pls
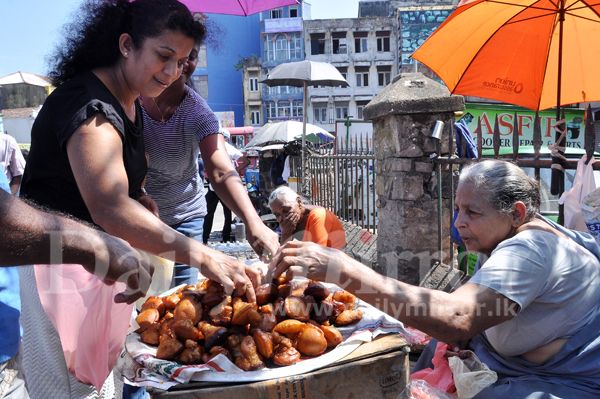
[(365, 52), (218, 76), (281, 42), (252, 74)]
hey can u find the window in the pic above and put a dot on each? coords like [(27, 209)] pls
[(384, 78), (344, 73), (317, 43), (202, 59), (255, 117), (201, 85), (282, 48), (296, 46), (384, 73), (297, 109), (293, 11), (283, 109), (360, 42), (383, 43), (276, 13), (362, 79), (339, 43), (320, 113), (238, 141), (253, 84), (341, 111), (360, 106), (270, 107)]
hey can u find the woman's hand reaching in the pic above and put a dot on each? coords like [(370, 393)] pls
[(262, 237), (236, 277), (149, 204), (303, 258)]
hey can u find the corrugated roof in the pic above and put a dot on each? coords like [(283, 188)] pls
[(19, 112), (27, 78)]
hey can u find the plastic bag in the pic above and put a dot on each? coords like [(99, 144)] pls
[(441, 375), (161, 279), (583, 184), (91, 326), (590, 210), (471, 376), (419, 389)]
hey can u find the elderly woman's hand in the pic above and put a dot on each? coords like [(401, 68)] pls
[(303, 258), (289, 223)]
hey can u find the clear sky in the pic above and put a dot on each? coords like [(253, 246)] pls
[(30, 28)]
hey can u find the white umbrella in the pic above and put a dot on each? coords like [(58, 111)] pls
[(303, 74), (284, 132)]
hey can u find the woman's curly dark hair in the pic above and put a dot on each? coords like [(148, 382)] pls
[(92, 39)]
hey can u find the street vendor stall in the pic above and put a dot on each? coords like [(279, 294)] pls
[(373, 349)]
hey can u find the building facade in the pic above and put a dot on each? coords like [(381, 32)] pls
[(253, 105), (281, 41), (219, 73), (364, 50)]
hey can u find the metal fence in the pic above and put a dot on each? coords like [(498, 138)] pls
[(521, 160), (342, 181)]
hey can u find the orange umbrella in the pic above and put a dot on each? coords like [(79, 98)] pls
[(519, 51), (534, 53)]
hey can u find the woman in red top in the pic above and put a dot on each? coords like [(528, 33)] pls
[(305, 222)]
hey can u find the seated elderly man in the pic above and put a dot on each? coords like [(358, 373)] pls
[(305, 222)]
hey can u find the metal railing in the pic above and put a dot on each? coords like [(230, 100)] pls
[(343, 182)]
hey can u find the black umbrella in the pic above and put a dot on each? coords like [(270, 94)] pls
[(303, 74)]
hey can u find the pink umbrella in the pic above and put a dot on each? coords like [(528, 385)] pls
[(235, 7)]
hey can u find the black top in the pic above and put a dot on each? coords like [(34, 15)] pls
[(48, 179)]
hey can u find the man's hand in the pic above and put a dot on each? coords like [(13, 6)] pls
[(118, 261)]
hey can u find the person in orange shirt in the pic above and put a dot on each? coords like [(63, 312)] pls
[(305, 222)]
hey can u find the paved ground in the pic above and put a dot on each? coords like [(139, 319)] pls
[(219, 219)]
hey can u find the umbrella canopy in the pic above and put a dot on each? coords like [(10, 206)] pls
[(235, 7), (284, 132), (302, 74), (534, 53), (309, 72)]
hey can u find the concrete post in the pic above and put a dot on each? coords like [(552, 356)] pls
[(404, 115)]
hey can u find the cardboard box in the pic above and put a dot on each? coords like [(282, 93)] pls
[(377, 369)]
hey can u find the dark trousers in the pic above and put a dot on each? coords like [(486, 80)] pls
[(212, 200)]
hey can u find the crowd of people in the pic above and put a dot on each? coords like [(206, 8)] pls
[(114, 160)]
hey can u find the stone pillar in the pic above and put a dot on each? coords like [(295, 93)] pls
[(404, 115)]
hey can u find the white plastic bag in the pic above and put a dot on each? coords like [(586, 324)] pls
[(471, 376), (583, 184), (161, 279), (590, 210)]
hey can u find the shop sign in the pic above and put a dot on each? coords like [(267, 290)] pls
[(526, 117)]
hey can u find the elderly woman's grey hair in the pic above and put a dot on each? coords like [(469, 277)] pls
[(503, 184), (284, 194)]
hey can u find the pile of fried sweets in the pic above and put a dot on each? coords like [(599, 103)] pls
[(290, 319)]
